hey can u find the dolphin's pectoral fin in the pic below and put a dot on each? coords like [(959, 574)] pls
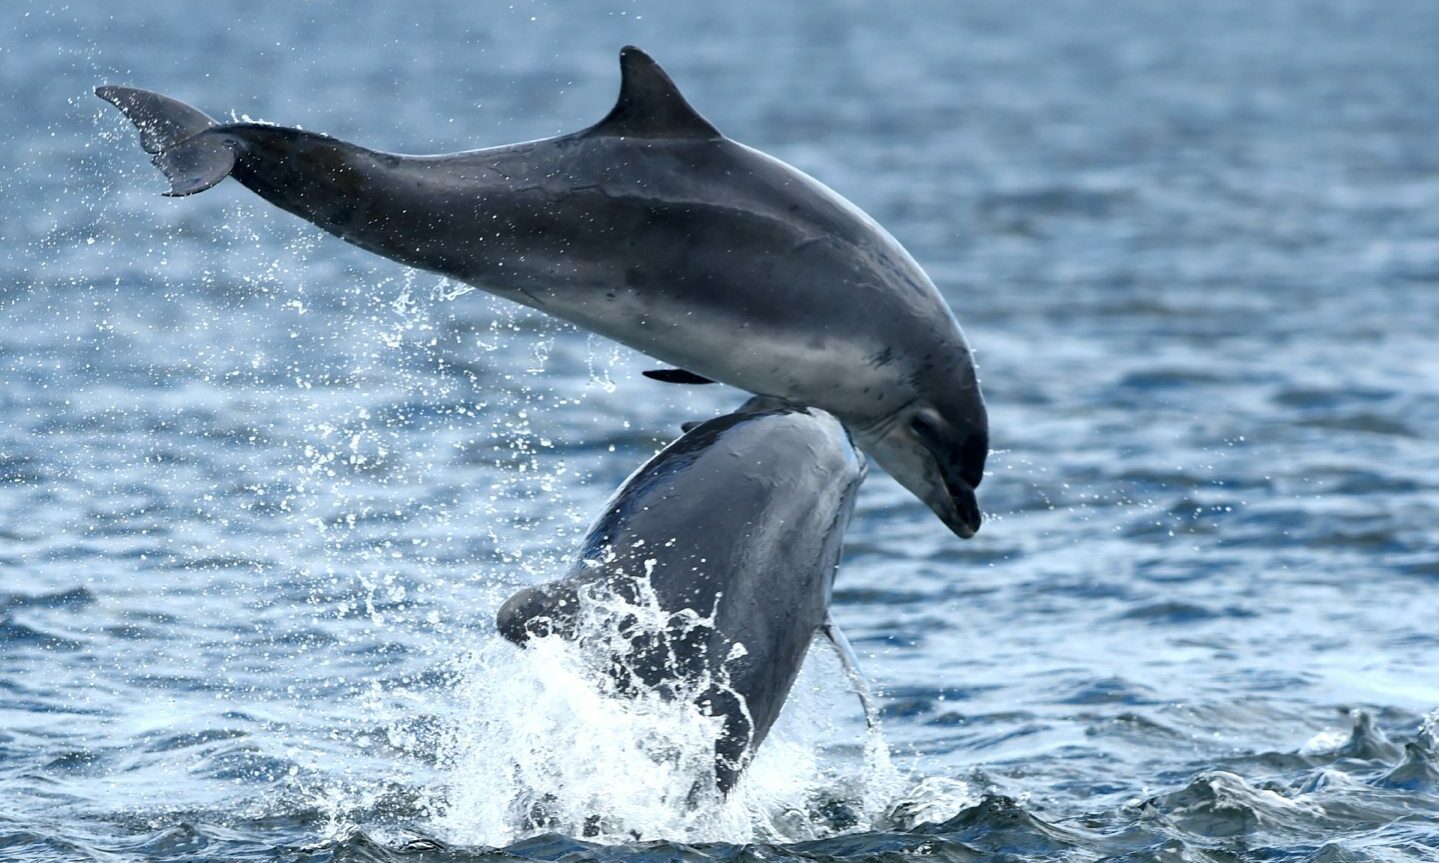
[(675, 376), (650, 105), (850, 662)]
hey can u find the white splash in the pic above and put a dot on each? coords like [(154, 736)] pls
[(1327, 740), (1429, 729), (930, 799), (541, 743)]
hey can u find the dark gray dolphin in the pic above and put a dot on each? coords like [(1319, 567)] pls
[(732, 535), (655, 230)]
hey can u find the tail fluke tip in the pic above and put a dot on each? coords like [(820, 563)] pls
[(174, 133)]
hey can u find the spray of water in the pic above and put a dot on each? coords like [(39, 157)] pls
[(545, 741)]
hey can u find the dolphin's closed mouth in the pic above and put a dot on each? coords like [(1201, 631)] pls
[(959, 462), (966, 518)]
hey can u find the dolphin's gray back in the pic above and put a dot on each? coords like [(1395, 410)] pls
[(745, 513)]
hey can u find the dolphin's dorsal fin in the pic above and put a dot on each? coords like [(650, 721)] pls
[(650, 105)]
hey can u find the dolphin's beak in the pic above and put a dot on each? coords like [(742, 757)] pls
[(940, 472), (952, 499), (961, 514), (961, 466)]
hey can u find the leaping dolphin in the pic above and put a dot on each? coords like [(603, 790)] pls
[(728, 542), (655, 230)]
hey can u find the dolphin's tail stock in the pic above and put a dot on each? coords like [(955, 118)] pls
[(175, 134)]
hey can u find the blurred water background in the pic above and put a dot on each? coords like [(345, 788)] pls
[(260, 493)]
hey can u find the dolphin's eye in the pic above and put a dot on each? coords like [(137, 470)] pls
[(925, 426)]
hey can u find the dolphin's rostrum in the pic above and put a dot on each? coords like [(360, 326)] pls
[(655, 230)]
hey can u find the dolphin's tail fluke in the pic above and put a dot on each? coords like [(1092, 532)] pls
[(175, 134)]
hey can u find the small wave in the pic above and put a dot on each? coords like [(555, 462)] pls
[(1109, 690), (1175, 612), (999, 824), (1416, 772), (1369, 423), (75, 761), (1365, 741), (75, 597), (170, 742), (18, 634), (1219, 803)]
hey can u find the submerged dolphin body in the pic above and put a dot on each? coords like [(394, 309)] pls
[(655, 230), (729, 537)]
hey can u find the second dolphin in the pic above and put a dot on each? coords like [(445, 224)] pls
[(731, 537)]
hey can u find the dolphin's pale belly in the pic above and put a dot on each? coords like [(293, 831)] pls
[(760, 355)]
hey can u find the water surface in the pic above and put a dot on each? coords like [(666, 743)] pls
[(260, 493)]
